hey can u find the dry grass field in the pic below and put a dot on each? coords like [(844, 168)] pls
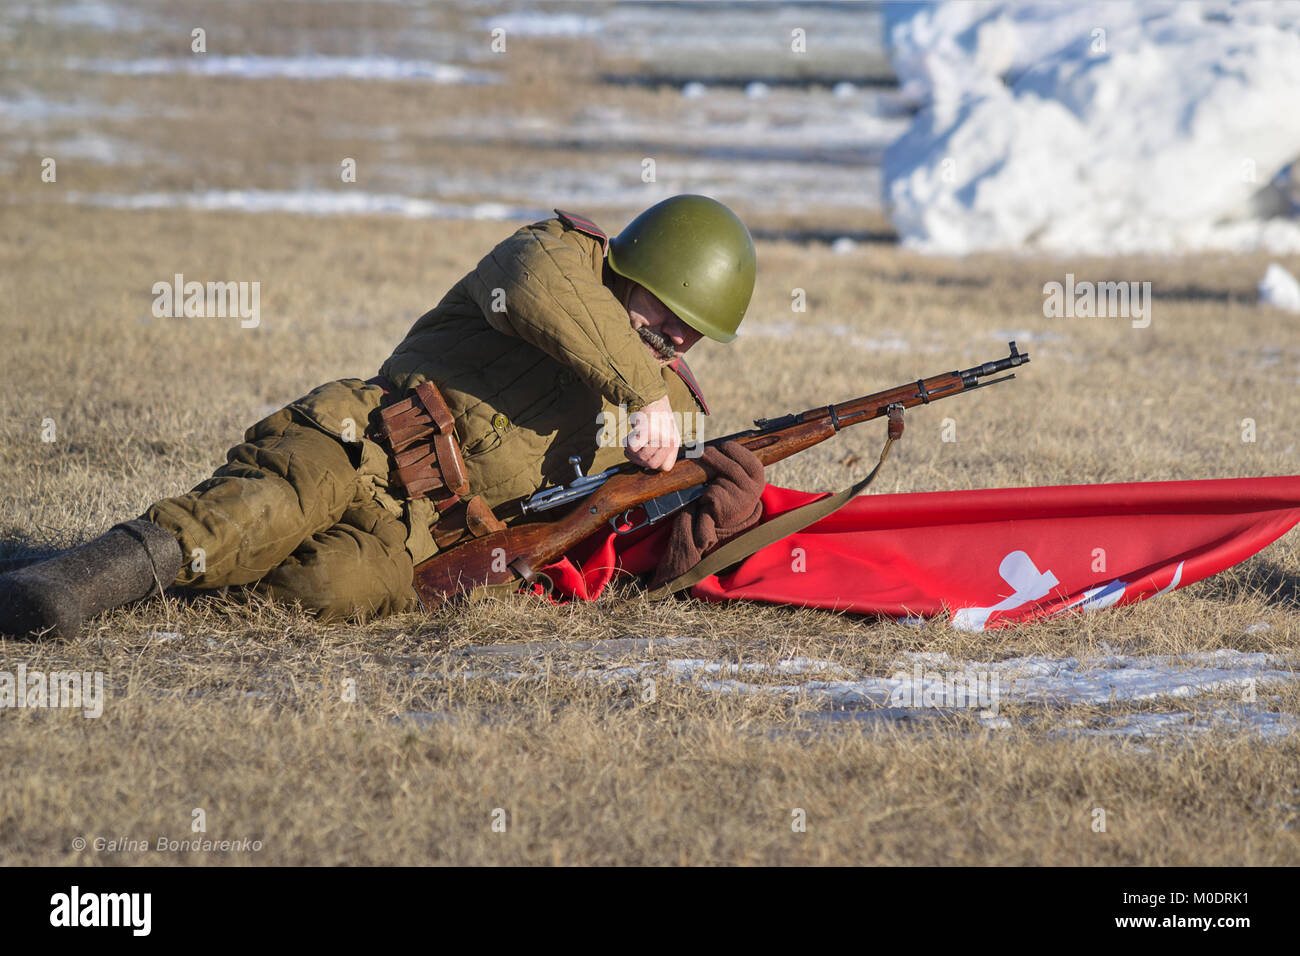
[(240, 708), (514, 732)]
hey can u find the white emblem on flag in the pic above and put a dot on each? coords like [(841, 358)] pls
[(1027, 584)]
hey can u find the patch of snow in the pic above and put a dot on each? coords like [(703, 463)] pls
[(538, 23), (100, 16), (942, 683), (311, 202), (702, 35), (1243, 719), (725, 119), (1280, 289), (307, 67), (95, 14), (108, 150), (28, 106)]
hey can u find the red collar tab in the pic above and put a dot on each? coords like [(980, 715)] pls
[(683, 371), (584, 226)]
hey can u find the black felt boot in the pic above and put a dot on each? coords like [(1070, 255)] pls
[(130, 561)]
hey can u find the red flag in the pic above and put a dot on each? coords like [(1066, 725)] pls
[(991, 557)]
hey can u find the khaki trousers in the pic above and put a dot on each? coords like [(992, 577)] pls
[(288, 515)]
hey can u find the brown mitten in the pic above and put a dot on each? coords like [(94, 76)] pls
[(730, 504)]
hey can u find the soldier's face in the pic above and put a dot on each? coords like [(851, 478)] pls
[(659, 327)]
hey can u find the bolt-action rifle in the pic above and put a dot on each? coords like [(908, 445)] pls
[(614, 496)]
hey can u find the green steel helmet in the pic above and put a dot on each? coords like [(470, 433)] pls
[(696, 256)]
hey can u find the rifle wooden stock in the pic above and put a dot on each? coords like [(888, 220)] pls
[(514, 555)]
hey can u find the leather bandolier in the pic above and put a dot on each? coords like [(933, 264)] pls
[(425, 459)]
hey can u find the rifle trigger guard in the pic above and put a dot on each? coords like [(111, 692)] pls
[(625, 518), (895, 421)]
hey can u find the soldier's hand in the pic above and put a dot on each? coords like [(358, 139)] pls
[(655, 440)]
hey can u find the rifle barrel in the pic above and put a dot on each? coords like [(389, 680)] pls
[(868, 407), (505, 557)]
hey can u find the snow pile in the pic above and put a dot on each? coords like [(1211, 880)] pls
[(1096, 127), (1279, 288)]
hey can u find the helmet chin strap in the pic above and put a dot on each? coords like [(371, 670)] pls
[(626, 295)]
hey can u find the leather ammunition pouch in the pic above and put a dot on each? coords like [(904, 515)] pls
[(426, 460)]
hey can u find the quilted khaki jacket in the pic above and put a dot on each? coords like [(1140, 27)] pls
[(528, 349)]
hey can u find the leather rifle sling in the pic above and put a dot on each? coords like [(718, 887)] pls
[(784, 525)]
